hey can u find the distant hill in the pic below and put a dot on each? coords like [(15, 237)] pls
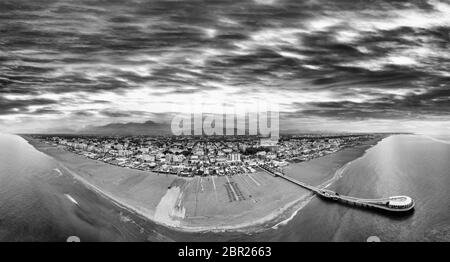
[(131, 128)]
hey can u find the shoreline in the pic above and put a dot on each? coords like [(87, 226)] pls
[(270, 217), (337, 175)]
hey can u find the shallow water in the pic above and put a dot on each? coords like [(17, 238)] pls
[(40, 202)]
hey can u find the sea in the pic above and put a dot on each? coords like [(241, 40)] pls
[(40, 202)]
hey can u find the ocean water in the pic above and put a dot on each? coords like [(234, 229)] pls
[(38, 202), (398, 165)]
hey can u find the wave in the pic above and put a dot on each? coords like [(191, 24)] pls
[(72, 199), (58, 171), (336, 176), (303, 203), (439, 140)]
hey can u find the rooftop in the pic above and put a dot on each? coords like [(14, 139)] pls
[(400, 201)]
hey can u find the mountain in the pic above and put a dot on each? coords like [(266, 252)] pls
[(61, 130), (131, 128)]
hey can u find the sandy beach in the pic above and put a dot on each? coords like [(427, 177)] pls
[(246, 202)]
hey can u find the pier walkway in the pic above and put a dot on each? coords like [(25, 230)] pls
[(394, 203)]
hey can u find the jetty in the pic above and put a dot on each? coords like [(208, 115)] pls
[(393, 203)]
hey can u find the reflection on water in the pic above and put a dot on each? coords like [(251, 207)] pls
[(39, 203)]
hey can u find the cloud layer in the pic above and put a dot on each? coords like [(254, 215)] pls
[(72, 63)]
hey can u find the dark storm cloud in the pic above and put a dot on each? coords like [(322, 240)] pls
[(17, 106), (352, 49), (121, 113), (83, 113), (46, 110), (433, 103), (114, 113)]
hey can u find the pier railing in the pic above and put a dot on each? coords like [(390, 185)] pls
[(381, 203)]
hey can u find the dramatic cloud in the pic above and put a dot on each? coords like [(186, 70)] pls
[(18, 106), (326, 63)]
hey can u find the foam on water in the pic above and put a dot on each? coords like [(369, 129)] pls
[(71, 199)]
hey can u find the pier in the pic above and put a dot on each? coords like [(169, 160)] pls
[(394, 203)]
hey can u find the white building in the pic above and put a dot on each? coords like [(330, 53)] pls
[(234, 157)]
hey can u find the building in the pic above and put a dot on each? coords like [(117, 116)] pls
[(148, 158), (144, 150), (243, 147), (269, 142), (178, 158), (234, 157), (194, 159), (124, 153)]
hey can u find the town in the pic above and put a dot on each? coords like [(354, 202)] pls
[(204, 156)]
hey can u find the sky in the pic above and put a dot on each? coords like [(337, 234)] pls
[(348, 65)]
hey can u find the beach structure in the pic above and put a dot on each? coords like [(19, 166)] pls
[(394, 203)]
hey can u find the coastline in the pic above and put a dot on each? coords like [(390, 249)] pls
[(191, 205), (337, 174)]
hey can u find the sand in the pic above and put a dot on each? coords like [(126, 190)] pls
[(245, 202)]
